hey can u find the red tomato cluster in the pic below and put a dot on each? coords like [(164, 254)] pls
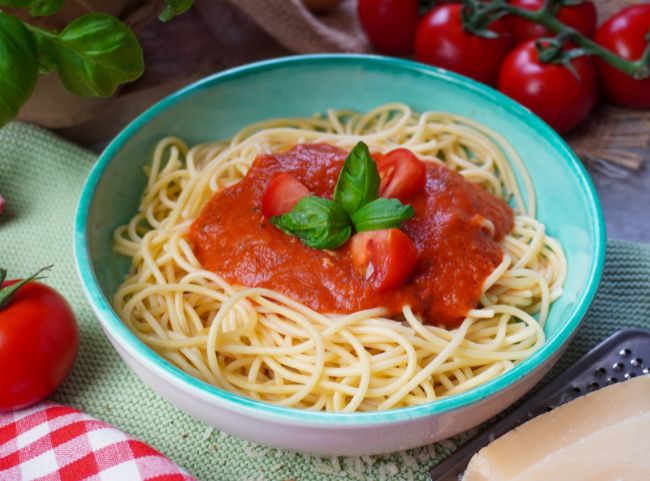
[(561, 94)]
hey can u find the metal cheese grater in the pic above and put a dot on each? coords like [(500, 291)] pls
[(623, 355)]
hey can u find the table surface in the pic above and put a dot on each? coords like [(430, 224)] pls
[(626, 203)]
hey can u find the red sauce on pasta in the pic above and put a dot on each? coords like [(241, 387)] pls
[(455, 253)]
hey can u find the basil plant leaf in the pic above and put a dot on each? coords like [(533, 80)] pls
[(317, 222), (381, 213), (358, 181), (173, 8), (37, 8), (94, 54), (18, 66)]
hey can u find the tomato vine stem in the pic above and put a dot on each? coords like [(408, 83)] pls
[(479, 13), (7, 293)]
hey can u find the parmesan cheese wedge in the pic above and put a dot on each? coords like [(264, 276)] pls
[(604, 435)]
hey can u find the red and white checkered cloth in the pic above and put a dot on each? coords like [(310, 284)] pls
[(50, 442)]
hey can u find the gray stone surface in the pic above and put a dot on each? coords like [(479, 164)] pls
[(626, 203)]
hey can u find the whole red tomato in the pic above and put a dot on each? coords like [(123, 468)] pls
[(560, 97), (581, 16), (390, 24), (625, 34), (38, 344), (442, 40)]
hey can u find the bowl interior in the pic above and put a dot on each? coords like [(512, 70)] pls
[(301, 86)]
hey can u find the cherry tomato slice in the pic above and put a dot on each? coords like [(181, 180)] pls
[(402, 174), (441, 40), (384, 257), (581, 16), (625, 34), (283, 192)]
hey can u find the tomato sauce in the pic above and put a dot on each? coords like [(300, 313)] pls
[(455, 254)]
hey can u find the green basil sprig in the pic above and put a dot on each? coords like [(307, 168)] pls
[(381, 213), (93, 55), (358, 181), (173, 8), (18, 66), (327, 224), (318, 222), (37, 8)]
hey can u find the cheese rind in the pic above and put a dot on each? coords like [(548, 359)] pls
[(581, 429)]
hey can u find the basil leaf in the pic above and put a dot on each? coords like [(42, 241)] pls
[(94, 54), (358, 181), (317, 222), (381, 213), (37, 8), (173, 8), (41, 8), (18, 66)]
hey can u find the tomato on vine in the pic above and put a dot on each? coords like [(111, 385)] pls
[(626, 34), (38, 340), (443, 40), (562, 91), (579, 16)]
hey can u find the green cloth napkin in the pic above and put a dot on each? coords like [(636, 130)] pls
[(41, 177)]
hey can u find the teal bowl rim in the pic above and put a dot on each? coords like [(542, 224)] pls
[(127, 340)]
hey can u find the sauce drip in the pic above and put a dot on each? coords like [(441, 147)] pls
[(455, 253)]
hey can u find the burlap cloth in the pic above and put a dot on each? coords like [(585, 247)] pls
[(218, 34)]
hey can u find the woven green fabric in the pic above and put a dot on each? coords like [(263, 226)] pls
[(41, 177)]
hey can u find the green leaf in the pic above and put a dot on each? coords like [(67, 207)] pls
[(41, 8), (18, 66), (94, 54), (381, 213), (37, 8), (317, 222), (173, 8), (358, 181)]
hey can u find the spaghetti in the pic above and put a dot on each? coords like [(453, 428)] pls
[(261, 344)]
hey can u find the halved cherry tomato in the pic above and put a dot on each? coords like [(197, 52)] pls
[(283, 192), (580, 16), (625, 34), (402, 174), (384, 257)]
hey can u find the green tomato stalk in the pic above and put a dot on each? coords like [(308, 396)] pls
[(7, 293), (477, 15)]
